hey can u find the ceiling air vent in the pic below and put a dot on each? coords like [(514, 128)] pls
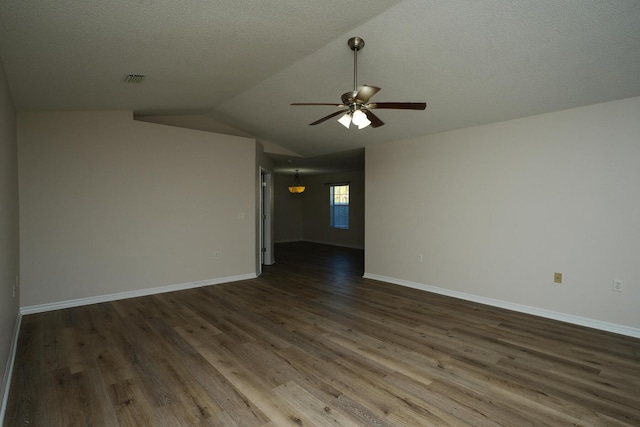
[(133, 78)]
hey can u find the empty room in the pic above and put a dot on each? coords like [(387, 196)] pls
[(358, 213)]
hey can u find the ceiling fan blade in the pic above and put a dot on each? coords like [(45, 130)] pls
[(398, 105), (365, 93), (375, 121), (317, 103), (317, 122)]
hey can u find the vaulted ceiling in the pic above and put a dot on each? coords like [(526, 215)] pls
[(239, 64)]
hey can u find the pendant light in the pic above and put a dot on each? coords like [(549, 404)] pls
[(296, 187)]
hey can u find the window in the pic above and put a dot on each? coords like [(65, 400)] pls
[(339, 205)]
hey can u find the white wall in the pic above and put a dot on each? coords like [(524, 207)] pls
[(112, 205), (9, 245), (287, 210), (495, 210)]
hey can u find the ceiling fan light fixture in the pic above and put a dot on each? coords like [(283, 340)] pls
[(356, 102), (345, 120), (360, 119)]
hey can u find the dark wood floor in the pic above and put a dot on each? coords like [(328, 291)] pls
[(312, 343)]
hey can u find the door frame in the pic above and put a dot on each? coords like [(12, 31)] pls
[(265, 223)]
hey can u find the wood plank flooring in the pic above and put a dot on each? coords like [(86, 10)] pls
[(311, 342)]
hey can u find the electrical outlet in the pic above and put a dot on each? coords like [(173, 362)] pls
[(419, 258), (557, 277), (216, 254), (617, 285)]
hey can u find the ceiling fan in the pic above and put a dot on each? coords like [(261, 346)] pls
[(356, 105)]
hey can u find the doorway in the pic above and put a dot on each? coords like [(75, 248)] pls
[(265, 231)]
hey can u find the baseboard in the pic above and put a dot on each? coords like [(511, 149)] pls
[(341, 245), (288, 241), (321, 242), (132, 294), (568, 318), (8, 373)]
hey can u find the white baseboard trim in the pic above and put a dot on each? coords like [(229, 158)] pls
[(8, 373), (132, 294), (568, 318), (288, 241), (322, 242), (341, 245)]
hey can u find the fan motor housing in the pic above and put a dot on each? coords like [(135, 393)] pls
[(348, 98)]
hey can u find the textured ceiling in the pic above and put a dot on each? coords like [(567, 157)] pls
[(240, 63)]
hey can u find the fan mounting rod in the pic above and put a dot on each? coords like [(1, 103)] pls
[(355, 44)]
